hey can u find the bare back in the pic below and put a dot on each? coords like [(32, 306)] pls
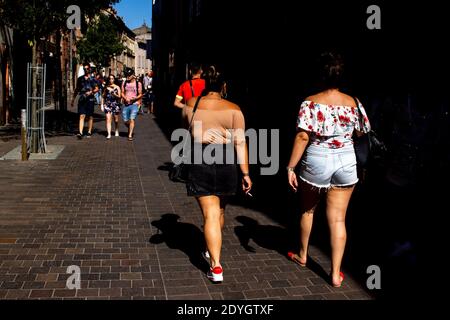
[(334, 98), (213, 119)]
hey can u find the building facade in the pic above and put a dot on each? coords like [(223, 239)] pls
[(127, 58), (143, 62)]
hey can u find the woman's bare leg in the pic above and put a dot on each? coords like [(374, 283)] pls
[(108, 124), (116, 122), (212, 213), (309, 197), (223, 204), (337, 203)]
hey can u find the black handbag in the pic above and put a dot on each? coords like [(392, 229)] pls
[(179, 172), (368, 147)]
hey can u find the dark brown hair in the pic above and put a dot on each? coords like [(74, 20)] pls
[(331, 70), (214, 80)]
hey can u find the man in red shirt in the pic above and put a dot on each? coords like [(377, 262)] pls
[(190, 88)]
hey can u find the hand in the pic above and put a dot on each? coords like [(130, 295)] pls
[(292, 178), (246, 184)]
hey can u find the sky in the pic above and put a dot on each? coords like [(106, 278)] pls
[(134, 12)]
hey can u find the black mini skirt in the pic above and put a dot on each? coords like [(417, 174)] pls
[(220, 178)]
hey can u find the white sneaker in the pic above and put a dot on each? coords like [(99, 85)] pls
[(215, 275), (117, 133)]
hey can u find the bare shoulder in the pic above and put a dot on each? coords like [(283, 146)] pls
[(336, 98), (231, 106), (349, 100), (312, 98)]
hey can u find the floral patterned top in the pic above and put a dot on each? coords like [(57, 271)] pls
[(331, 126)]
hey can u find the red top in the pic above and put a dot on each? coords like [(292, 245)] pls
[(185, 91)]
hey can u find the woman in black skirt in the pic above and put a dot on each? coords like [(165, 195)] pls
[(219, 148)]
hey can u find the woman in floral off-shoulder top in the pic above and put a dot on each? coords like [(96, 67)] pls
[(324, 144)]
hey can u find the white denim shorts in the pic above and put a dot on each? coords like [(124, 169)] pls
[(324, 168)]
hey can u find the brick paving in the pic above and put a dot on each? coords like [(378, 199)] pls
[(109, 208)]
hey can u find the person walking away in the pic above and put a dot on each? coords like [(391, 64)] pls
[(190, 88), (131, 94), (148, 87), (86, 90), (111, 105), (324, 144), (220, 124)]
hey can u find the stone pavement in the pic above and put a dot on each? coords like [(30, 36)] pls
[(109, 207)]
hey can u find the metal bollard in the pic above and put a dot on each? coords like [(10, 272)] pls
[(24, 135)]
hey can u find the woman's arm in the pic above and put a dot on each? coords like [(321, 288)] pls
[(239, 141), (242, 155), (300, 143), (119, 92), (240, 144)]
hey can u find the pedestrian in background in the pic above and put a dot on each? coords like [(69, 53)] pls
[(111, 105), (148, 88), (132, 95), (190, 88), (86, 90), (324, 145)]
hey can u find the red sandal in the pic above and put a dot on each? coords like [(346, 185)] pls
[(295, 257)]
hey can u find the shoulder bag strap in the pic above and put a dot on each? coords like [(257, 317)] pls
[(190, 125), (192, 89), (193, 112)]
